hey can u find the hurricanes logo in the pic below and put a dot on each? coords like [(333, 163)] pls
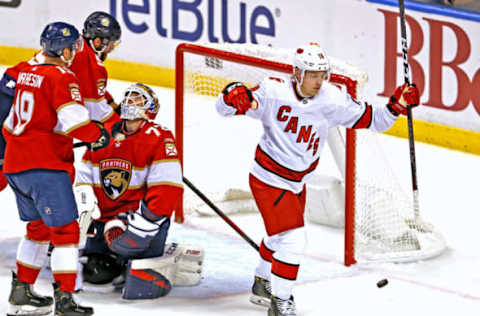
[(115, 175)]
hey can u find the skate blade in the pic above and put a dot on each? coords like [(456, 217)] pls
[(259, 300), (15, 310)]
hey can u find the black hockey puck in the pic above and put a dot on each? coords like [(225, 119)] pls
[(382, 283)]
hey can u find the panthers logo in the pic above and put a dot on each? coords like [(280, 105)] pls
[(115, 175)]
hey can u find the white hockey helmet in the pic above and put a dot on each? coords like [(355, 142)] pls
[(133, 107), (312, 58)]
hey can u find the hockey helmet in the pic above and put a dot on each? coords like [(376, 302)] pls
[(312, 58), (57, 36), (104, 26), (140, 102)]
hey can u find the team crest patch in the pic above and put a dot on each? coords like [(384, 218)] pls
[(115, 175), (170, 149), (101, 83), (75, 92)]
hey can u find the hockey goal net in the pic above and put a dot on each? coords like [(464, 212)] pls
[(379, 220)]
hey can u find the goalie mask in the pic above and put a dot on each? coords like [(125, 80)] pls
[(140, 102), (311, 58)]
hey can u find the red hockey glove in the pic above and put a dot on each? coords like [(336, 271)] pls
[(237, 95), (404, 95)]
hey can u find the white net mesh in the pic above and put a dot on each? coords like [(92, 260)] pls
[(386, 228)]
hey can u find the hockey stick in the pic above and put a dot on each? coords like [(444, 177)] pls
[(80, 144), (411, 141), (220, 213)]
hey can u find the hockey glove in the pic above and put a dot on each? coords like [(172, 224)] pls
[(102, 141), (237, 95), (402, 96)]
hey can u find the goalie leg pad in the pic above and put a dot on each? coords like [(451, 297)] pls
[(181, 264), (189, 265), (145, 284)]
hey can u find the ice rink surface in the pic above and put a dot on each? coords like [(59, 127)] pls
[(448, 284)]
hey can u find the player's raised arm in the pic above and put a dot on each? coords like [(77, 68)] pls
[(357, 115)]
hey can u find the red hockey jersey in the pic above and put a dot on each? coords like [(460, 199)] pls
[(47, 112), (93, 81), (141, 166)]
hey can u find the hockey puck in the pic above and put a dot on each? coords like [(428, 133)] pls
[(382, 283)]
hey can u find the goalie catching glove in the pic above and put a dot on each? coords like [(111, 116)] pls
[(102, 141), (404, 95), (237, 95)]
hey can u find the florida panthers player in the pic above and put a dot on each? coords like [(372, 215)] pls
[(101, 34), (296, 114), (48, 111), (137, 181)]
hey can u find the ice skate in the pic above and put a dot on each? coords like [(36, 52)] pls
[(65, 304), (279, 307), (24, 301), (261, 292)]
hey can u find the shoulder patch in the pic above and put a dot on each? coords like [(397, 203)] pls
[(101, 84), (75, 92), (170, 148)]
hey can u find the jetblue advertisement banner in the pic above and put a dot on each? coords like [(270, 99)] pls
[(444, 51)]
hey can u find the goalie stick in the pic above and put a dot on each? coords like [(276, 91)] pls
[(220, 213), (411, 141)]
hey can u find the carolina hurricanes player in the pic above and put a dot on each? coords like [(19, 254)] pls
[(296, 114), (47, 112), (101, 34), (137, 181)]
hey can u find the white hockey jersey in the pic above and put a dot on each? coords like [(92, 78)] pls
[(296, 128)]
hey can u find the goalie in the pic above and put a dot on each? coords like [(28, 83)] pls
[(134, 184)]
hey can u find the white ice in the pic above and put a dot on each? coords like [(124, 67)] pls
[(448, 284)]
